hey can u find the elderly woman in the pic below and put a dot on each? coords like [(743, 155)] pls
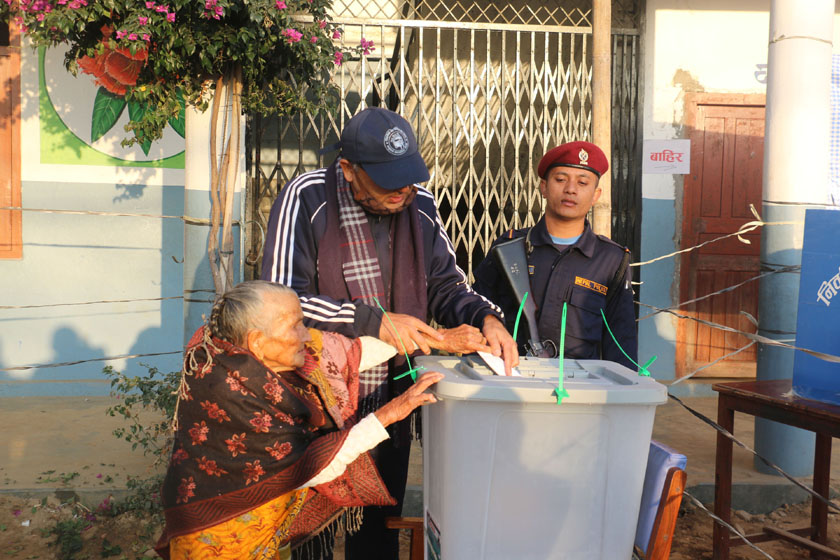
[(263, 457)]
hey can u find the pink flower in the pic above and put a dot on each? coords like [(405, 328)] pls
[(367, 46), (313, 40), (281, 5), (292, 35), (170, 17), (322, 24), (121, 33), (146, 37), (143, 20), (339, 56), (150, 5), (162, 9), (99, 475), (336, 34), (132, 36)]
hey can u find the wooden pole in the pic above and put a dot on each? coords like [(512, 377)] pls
[(602, 107)]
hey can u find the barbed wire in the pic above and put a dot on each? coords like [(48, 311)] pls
[(61, 364), (726, 433), (186, 219), (744, 229), (752, 336), (732, 529), (792, 268)]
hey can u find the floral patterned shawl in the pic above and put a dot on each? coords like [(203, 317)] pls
[(246, 435)]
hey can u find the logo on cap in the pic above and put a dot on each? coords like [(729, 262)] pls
[(584, 157), (396, 141)]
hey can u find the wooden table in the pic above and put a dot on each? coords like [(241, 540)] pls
[(774, 400)]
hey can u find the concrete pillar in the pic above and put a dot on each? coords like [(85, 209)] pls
[(796, 158), (602, 107)]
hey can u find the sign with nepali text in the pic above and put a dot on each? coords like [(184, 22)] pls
[(670, 157)]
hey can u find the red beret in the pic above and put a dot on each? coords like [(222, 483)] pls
[(583, 155)]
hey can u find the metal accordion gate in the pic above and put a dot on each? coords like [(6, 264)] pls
[(488, 87)]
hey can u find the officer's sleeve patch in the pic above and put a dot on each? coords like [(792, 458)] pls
[(590, 285)]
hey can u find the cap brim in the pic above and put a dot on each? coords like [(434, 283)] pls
[(396, 174)]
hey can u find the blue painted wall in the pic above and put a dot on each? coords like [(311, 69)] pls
[(78, 258)]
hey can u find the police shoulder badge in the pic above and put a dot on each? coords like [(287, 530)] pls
[(396, 141)]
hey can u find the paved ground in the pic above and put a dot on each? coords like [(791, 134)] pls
[(67, 445)]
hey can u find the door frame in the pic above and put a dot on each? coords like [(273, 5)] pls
[(692, 101), (11, 242)]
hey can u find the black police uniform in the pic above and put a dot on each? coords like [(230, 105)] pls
[(580, 275)]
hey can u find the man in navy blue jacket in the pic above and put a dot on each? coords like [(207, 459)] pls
[(569, 264), (361, 236)]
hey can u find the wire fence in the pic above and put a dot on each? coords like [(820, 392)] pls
[(672, 310)]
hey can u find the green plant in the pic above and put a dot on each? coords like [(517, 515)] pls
[(141, 397), (151, 56), (260, 56), (68, 536)]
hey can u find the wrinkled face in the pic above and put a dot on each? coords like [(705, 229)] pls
[(282, 348), (374, 198), (569, 193)]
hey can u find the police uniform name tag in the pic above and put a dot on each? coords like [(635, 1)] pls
[(590, 285)]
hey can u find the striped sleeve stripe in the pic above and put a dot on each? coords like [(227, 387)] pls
[(282, 245), (320, 310)]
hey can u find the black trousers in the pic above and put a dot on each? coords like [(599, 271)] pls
[(373, 541)]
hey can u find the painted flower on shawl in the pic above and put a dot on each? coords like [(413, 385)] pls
[(185, 490), (209, 466), (273, 390), (198, 433), (261, 422), (279, 450), (253, 472), (285, 418), (236, 444), (178, 457), (214, 412), (236, 381)]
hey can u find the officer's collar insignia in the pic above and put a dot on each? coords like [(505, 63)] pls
[(584, 157)]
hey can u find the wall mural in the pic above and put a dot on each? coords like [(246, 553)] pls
[(83, 117)]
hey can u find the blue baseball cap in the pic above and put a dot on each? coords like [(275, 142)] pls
[(383, 144)]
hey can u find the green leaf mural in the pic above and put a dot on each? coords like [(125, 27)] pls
[(135, 113), (107, 108), (179, 123)]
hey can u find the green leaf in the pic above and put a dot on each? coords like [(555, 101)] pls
[(136, 112), (179, 123), (107, 108)]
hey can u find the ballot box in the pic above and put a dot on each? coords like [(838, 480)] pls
[(817, 320), (508, 473)]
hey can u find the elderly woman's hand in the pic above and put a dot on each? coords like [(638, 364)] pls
[(401, 406), (461, 340)]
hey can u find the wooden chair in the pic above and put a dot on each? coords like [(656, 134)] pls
[(661, 498)]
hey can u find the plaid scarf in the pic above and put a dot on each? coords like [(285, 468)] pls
[(360, 277)]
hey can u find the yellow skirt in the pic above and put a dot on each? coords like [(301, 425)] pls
[(260, 534)]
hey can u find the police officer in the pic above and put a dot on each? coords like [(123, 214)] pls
[(569, 263)]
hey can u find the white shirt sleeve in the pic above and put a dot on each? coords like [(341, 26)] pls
[(364, 436), (374, 352)]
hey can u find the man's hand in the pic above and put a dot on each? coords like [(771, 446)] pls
[(413, 332), (461, 340), (501, 343), (399, 407)]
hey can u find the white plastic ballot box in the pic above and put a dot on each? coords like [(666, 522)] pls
[(510, 474)]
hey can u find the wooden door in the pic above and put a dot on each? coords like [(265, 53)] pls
[(10, 220), (727, 152)]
